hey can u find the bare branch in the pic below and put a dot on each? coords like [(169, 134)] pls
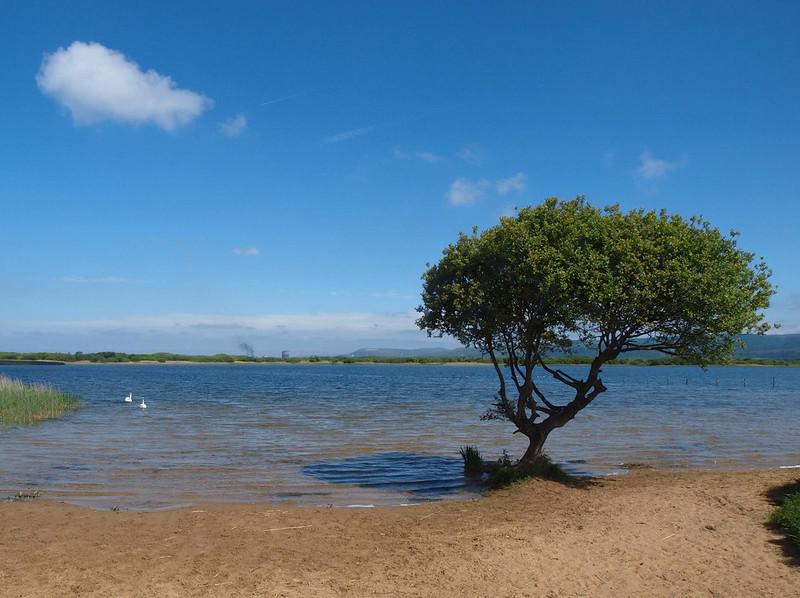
[(558, 375), (502, 403), (512, 357), (543, 398)]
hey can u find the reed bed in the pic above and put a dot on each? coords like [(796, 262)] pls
[(22, 403)]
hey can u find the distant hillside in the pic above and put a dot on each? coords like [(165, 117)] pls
[(771, 346)]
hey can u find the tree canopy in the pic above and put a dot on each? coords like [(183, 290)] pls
[(617, 281)]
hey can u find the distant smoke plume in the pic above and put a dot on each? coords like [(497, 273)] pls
[(247, 349)]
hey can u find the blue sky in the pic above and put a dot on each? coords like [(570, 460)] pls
[(188, 177)]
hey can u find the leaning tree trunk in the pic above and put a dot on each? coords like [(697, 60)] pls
[(536, 441)]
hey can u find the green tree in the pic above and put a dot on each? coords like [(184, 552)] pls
[(565, 271)]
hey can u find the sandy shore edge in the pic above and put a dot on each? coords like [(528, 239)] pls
[(651, 533)]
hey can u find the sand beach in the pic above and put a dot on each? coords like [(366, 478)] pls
[(651, 533)]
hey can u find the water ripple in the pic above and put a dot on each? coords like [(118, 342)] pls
[(368, 434)]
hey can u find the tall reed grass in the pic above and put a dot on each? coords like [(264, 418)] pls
[(22, 403)]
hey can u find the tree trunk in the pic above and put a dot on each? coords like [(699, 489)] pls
[(535, 446)]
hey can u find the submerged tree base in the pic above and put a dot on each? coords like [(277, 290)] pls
[(505, 472), (22, 403)]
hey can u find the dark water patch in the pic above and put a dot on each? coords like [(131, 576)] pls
[(430, 476)]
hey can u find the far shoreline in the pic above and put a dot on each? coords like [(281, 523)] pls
[(372, 361)]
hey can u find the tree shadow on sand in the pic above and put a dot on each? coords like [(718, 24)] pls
[(789, 546)]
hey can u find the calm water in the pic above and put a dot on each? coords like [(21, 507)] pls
[(368, 434)]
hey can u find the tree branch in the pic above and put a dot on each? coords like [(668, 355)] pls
[(561, 376), (503, 405), (543, 398)]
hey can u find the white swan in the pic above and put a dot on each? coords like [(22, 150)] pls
[(142, 405), (129, 398)]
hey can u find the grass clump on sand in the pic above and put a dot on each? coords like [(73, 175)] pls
[(504, 472), (22, 403), (787, 515)]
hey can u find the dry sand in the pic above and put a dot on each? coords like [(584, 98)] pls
[(648, 534)]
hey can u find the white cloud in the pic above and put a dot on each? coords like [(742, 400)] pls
[(651, 168), (320, 333), (92, 280), (234, 126), (429, 157), (464, 192), (265, 322), (96, 83), (512, 183), (470, 154), (346, 135), (247, 251)]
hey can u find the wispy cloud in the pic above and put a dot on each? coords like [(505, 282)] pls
[(234, 126), (281, 99), (247, 251), (424, 156), (652, 168), (464, 192), (347, 135), (96, 83), (471, 154), (92, 279), (512, 183)]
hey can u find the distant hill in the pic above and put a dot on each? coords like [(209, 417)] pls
[(770, 346)]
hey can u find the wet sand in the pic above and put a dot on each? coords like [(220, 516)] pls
[(647, 534)]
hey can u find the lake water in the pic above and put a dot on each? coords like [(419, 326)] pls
[(347, 435)]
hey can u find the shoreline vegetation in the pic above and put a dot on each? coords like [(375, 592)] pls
[(111, 357), (787, 515), (22, 403)]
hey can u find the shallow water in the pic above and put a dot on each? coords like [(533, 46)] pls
[(368, 434)]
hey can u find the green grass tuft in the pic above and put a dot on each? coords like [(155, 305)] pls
[(473, 461), (787, 515), (22, 403), (505, 473)]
